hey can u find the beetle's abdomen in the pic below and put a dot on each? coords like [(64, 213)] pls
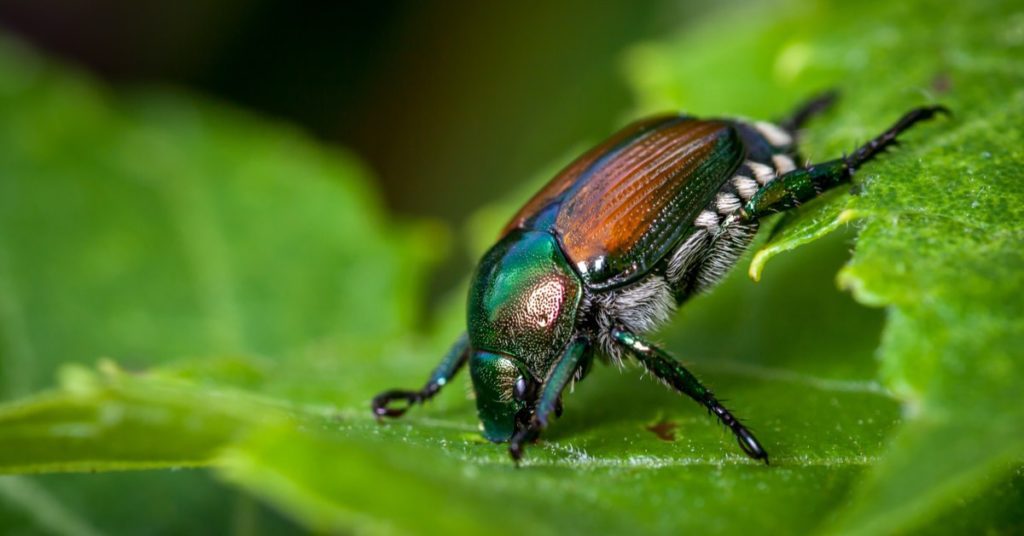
[(523, 299)]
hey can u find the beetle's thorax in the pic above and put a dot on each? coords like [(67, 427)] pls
[(523, 300)]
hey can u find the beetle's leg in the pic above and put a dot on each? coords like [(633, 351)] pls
[(549, 400), (670, 371), (450, 365), (810, 108), (804, 184)]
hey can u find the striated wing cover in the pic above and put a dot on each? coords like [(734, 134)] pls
[(622, 207), (552, 191)]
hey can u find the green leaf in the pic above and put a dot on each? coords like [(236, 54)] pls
[(255, 298), (153, 226), (88, 426)]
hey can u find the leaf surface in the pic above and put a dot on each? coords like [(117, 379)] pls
[(254, 298)]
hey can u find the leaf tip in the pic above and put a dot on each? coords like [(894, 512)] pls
[(758, 262), (848, 280), (77, 379), (847, 215)]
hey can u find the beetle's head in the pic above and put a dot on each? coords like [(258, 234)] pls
[(521, 311), (504, 392)]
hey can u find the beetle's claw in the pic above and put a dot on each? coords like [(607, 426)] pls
[(522, 436), (515, 450), (515, 447), (380, 404), (750, 445)]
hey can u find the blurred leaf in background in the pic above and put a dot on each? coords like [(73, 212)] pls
[(254, 298), (150, 227)]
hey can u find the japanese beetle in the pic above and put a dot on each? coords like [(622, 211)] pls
[(612, 246)]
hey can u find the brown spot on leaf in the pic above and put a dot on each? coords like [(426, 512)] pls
[(664, 429)]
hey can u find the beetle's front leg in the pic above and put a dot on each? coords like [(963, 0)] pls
[(675, 374), (445, 371), (549, 400)]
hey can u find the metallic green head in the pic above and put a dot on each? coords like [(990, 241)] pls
[(522, 312), (500, 385)]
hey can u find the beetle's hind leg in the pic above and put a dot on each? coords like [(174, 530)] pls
[(816, 105), (670, 371), (445, 371), (804, 184)]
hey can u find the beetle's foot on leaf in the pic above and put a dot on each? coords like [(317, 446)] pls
[(381, 403), (750, 445), (515, 450), (526, 434), (515, 445)]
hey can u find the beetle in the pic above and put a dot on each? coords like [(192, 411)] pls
[(606, 252)]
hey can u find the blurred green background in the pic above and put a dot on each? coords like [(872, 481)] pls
[(450, 103), (225, 225)]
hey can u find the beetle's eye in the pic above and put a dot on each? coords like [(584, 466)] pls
[(519, 389)]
